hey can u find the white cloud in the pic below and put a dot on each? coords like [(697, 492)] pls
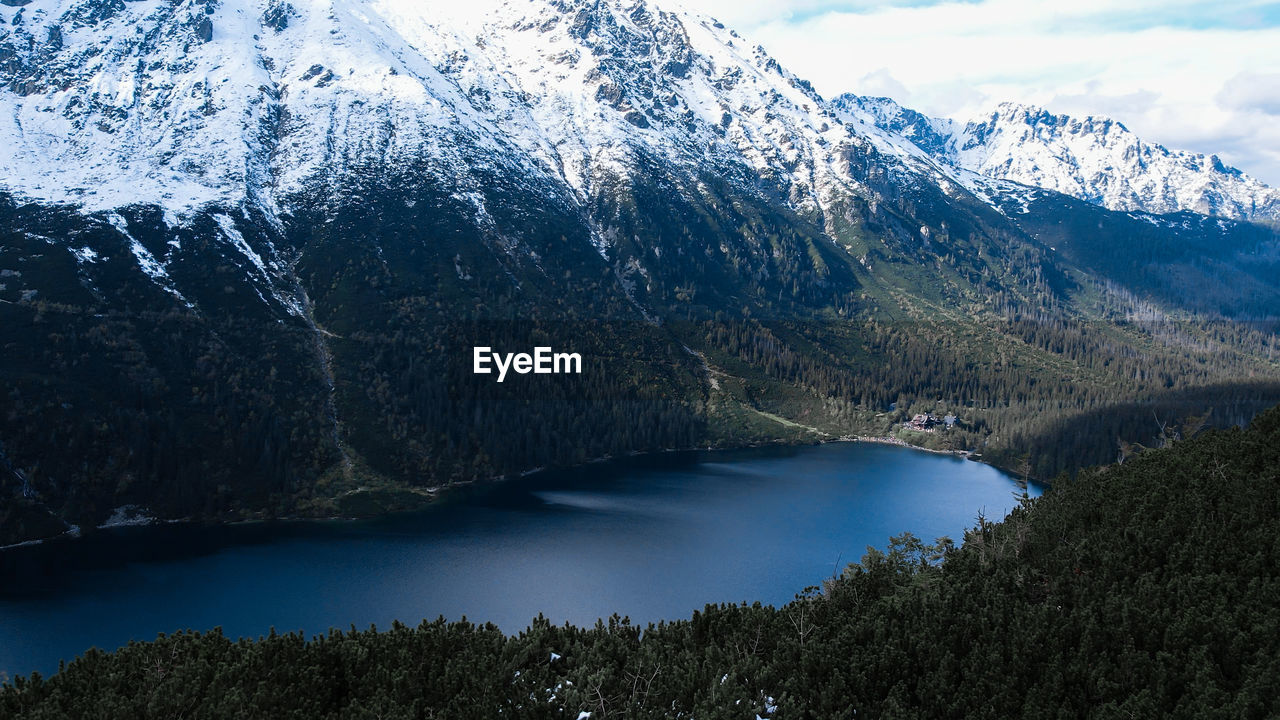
[(1252, 91), (1184, 73), (883, 83)]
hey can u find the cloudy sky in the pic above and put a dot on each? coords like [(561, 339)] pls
[(1202, 76)]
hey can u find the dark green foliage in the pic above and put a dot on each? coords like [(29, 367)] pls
[(116, 392), (1148, 589), (320, 364), (1184, 259)]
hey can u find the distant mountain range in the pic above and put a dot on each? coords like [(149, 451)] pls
[(1094, 159), (246, 247)]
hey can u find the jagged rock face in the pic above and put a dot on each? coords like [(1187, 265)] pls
[(1094, 159), (277, 110), (1101, 161), (114, 103), (931, 135), (182, 104), (283, 109), (286, 109), (186, 103)]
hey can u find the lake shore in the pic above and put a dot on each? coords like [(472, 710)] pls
[(890, 440), (136, 517), (653, 538)]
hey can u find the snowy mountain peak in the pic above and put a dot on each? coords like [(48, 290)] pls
[(931, 135), (186, 103), (1093, 158), (109, 103), (1099, 160)]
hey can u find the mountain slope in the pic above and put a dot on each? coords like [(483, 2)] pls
[(247, 247), (1092, 158), (181, 114)]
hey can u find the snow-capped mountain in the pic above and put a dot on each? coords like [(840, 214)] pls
[(185, 103), (246, 244), (333, 195), (112, 103), (1094, 159), (271, 106)]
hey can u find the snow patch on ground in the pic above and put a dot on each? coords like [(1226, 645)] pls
[(128, 516), (84, 254), (147, 262), (231, 233)]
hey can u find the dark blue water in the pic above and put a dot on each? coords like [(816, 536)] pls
[(653, 538)]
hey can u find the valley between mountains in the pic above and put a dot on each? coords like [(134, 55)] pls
[(248, 246)]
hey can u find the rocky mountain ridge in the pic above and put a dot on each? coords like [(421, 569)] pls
[(1095, 159), (181, 104)]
